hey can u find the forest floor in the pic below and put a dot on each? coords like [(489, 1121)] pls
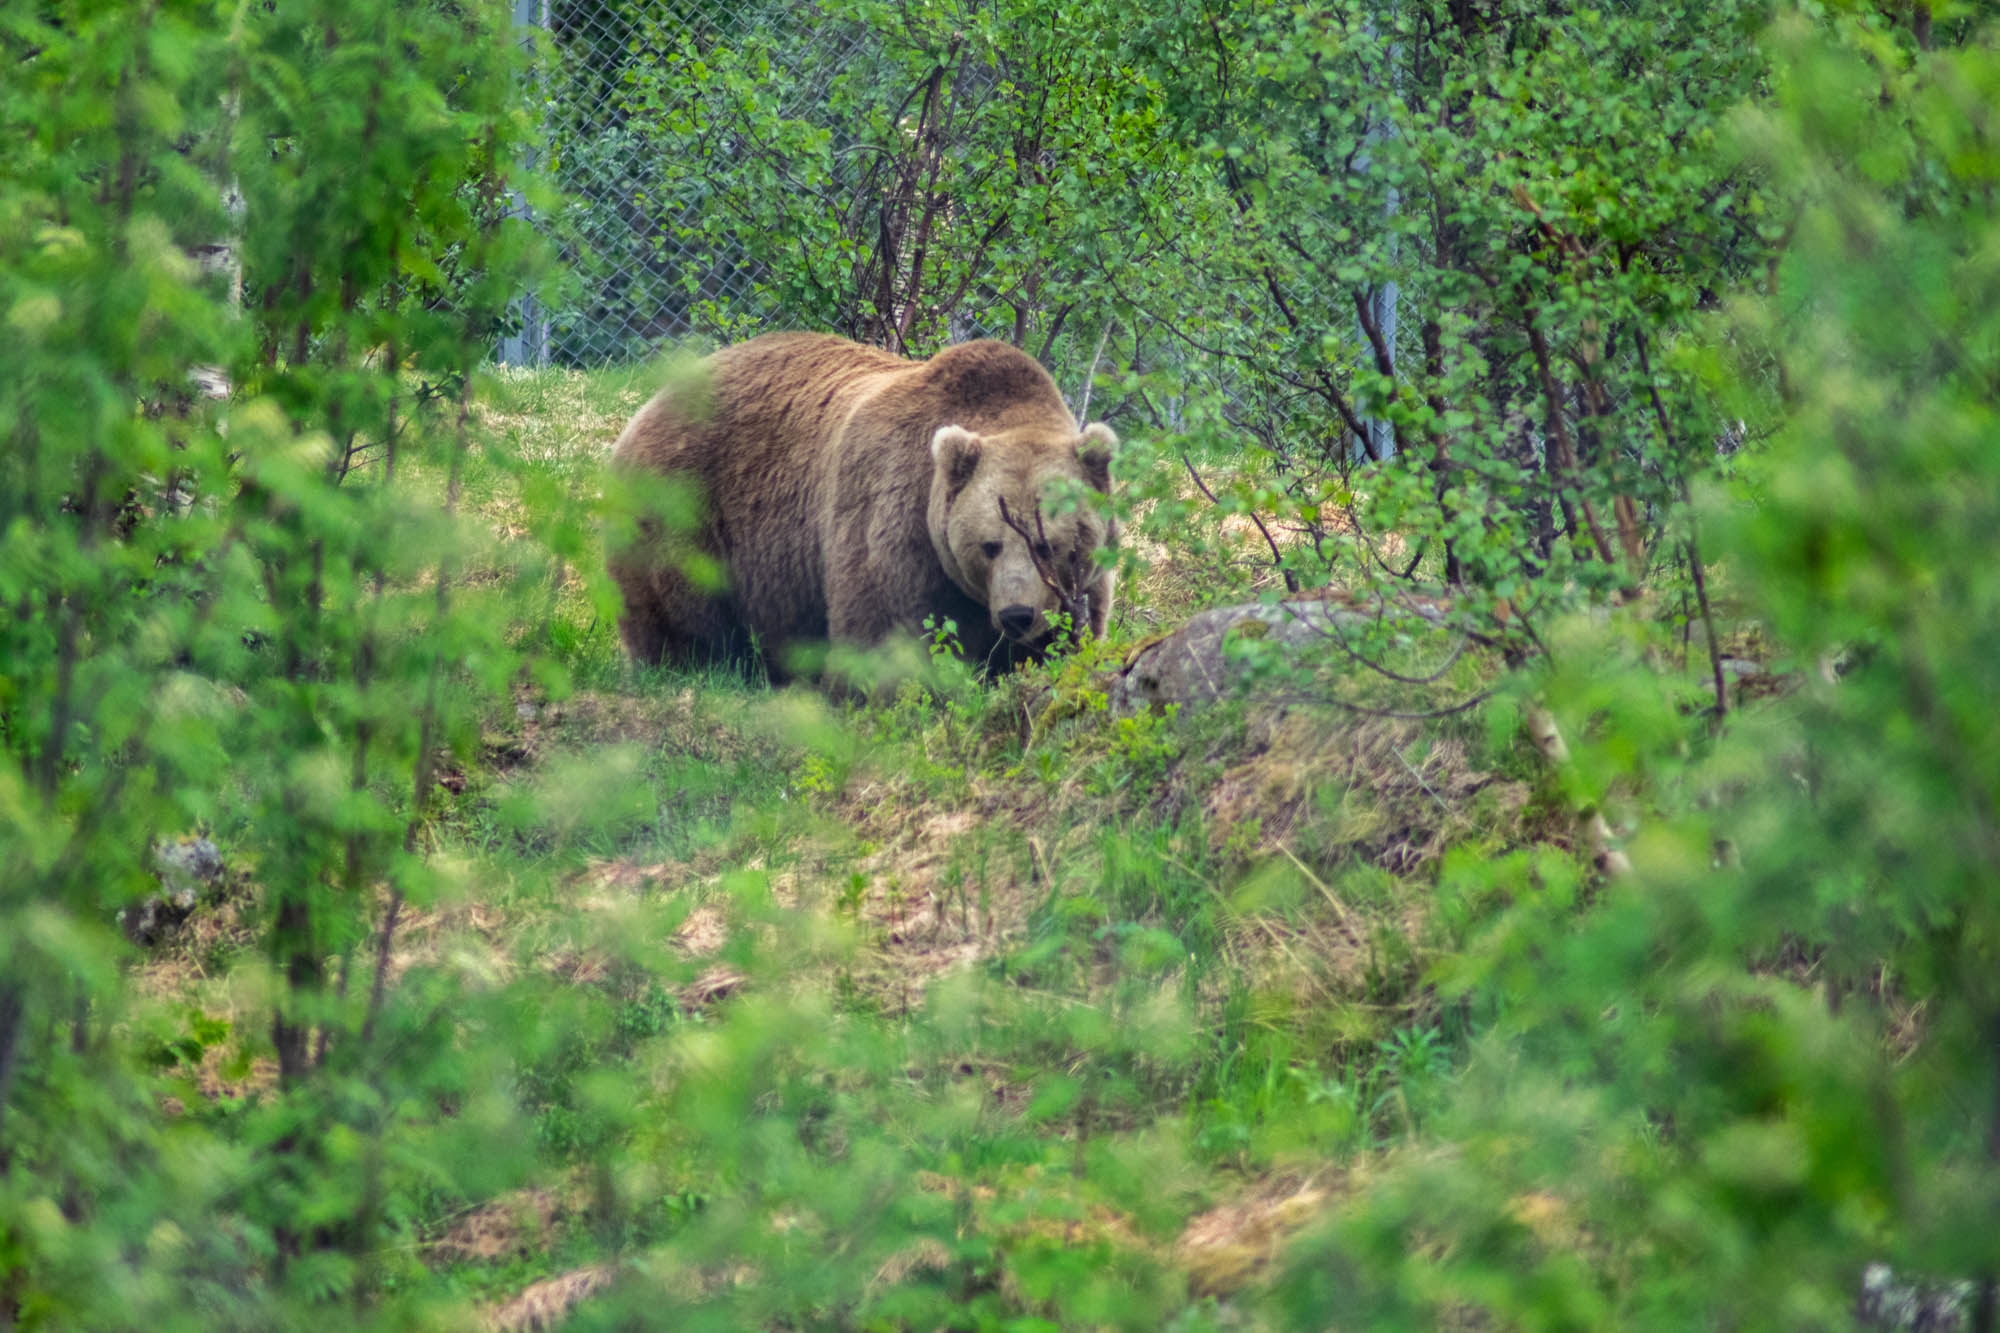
[(1210, 936)]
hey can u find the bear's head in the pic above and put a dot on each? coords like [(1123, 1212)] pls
[(981, 482)]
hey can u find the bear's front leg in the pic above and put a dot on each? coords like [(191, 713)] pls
[(860, 635)]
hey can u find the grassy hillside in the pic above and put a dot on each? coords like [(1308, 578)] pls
[(979, 998)]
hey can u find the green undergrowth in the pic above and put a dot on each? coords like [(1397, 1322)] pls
[(1008, 1025), (954, 1007), (978, 1004), (957, 1007)]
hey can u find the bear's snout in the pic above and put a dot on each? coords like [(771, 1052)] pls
[(1016, 621)]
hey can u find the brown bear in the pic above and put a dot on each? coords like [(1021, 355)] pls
[(850, 495)]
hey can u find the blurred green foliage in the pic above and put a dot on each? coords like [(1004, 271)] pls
[(232, 610)]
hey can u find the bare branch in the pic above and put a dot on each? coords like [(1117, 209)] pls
[(1692, 549), (1070, 582), (1090, 376), (1277, 556)]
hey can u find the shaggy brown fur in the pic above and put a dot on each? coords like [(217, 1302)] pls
[(849, 494)]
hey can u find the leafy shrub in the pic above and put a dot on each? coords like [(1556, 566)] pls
[(1720, 1089), (244, 612)]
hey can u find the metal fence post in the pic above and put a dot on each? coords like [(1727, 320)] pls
[(528, 345)]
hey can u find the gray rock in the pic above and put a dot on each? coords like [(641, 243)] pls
[(185, 867), (1193, 665), (1889, 1301)]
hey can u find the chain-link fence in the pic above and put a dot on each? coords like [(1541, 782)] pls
[(621, 98), (733, 165)]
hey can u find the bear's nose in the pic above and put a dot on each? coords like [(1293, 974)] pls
[(1016, 620)]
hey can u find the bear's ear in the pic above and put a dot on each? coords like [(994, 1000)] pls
[(1094, 451), (956, 452)]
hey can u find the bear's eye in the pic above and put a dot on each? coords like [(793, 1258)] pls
[(992, 550), (1042, 551)]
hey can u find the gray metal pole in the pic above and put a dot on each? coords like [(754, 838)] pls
[(528, 345)]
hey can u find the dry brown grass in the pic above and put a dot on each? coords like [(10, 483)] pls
[(547, 1304), (593, 718), (1388, 791), (517, 1223), (1229, 1247), (918, 923)]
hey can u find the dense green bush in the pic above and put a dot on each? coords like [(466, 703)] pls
[(1543, 189), (223, 618), (1717, 1092)]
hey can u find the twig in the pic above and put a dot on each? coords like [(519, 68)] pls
[(1090, 380), (1692, 549), (1331, 632), (1707, 622), (1348, 705), (1322, 388), (1411, 769), (1041, 863), (1055, 328), (13, 1012), (1565, 449), (1069, 586), (1277, 556), (1986, 1310), (1340, 908), (1384, 365), (379, 985)]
